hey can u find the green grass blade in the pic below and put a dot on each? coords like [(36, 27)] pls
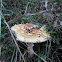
[(0, 19), (0, 25), (13, 54), (8, 10)]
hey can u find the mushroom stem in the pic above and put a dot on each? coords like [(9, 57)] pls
[(30, 49)]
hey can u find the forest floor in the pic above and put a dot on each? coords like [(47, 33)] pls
[(38, 12)]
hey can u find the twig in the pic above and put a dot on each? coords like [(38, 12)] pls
[(49, 58), (46, 2), (49, 49), (58, 59), (13, 38), (26, 8), (39, 56), (20, 58), (25, 53), (26, 15)]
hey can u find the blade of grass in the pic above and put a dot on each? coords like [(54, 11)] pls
[(6, 14), (0, 19), (0, 26), (13, 55), (8, 10)]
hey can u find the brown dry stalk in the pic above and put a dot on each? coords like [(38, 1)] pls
[(26, 15), (39, 56), (13, 38)]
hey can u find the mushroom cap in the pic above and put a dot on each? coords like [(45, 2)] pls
[(26, 33)]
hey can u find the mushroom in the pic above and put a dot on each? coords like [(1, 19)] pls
[(30, 33)]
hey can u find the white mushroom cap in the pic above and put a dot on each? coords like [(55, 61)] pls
[(35, 36)]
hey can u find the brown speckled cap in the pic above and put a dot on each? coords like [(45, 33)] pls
[(30, 33)]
